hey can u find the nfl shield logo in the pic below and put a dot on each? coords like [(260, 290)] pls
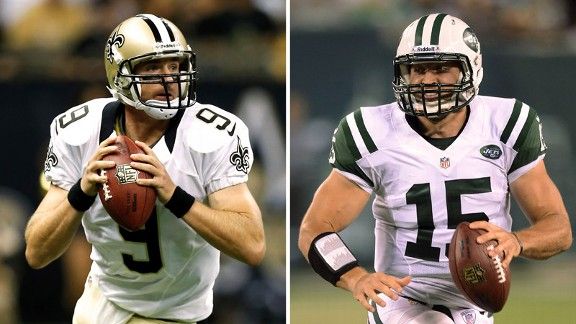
[(469, 316), (444, 162)]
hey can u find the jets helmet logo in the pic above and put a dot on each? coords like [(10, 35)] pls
[(240, 158), (114, 39), (471, 40)]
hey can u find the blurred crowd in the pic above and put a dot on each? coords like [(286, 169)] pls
[(529, 22), (52, 51), (236, 38)]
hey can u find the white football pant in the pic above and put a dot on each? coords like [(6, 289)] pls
[(406, 311)]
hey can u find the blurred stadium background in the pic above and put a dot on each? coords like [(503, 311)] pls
[(51, 59), (341, 58)]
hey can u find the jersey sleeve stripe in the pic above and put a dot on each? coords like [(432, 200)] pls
[(511, 122), (364, 132), (528, 124), (529, 143), (346, 151), (350, 143)]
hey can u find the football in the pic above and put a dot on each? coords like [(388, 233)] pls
[(479, 277), (128, 203)]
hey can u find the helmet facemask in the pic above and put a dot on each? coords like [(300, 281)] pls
[(448, 97), (437, 39), (142, 39), (131, 85)]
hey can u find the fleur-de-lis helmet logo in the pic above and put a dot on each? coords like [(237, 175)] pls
[(114, 39)]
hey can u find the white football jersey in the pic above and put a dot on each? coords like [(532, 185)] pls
[(423, 192), (165, 270)]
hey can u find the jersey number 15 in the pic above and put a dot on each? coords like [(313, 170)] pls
[(419, 195)]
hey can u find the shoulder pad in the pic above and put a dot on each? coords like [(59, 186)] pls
[(351, 139), (350, 143), (76, 125), (208, 127)]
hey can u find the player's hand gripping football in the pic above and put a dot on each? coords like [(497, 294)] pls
[(92, 178), (150, 163), (507, 242), (366, 286)]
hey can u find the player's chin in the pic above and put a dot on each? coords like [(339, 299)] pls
[(163, 97)]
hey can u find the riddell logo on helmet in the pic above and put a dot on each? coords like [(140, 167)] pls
[(426, 48), (163, 46)]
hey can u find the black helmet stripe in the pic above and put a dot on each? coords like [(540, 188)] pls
[(170, 33), (434, 40), (161, 31), (153, 28)]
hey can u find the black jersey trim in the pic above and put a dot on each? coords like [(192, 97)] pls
[(170, 134), (109, 118)]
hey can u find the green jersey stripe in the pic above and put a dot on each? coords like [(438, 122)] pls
[(530, 121), (420, 31), (350, 143), (345, 152), (377, 319), (529, 143), (364, 132), (434, 40), (511, 122)]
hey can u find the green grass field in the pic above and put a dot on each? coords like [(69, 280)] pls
[(542, 293)]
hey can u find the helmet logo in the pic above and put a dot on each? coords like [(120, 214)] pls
[(471, 40), (114, 39)]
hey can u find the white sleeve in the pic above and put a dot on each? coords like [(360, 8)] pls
[(73, 136), (63, 161), (231, 163)]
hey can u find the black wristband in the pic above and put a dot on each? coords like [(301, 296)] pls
[(78, 199), (330, 257), (180, 203)]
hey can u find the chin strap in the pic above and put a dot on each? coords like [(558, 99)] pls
[(156, 113)]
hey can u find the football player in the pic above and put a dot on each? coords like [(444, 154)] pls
[(199, 156), (441, 154)]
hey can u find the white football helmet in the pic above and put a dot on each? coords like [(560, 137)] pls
[(437, 38), (143, 38)]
